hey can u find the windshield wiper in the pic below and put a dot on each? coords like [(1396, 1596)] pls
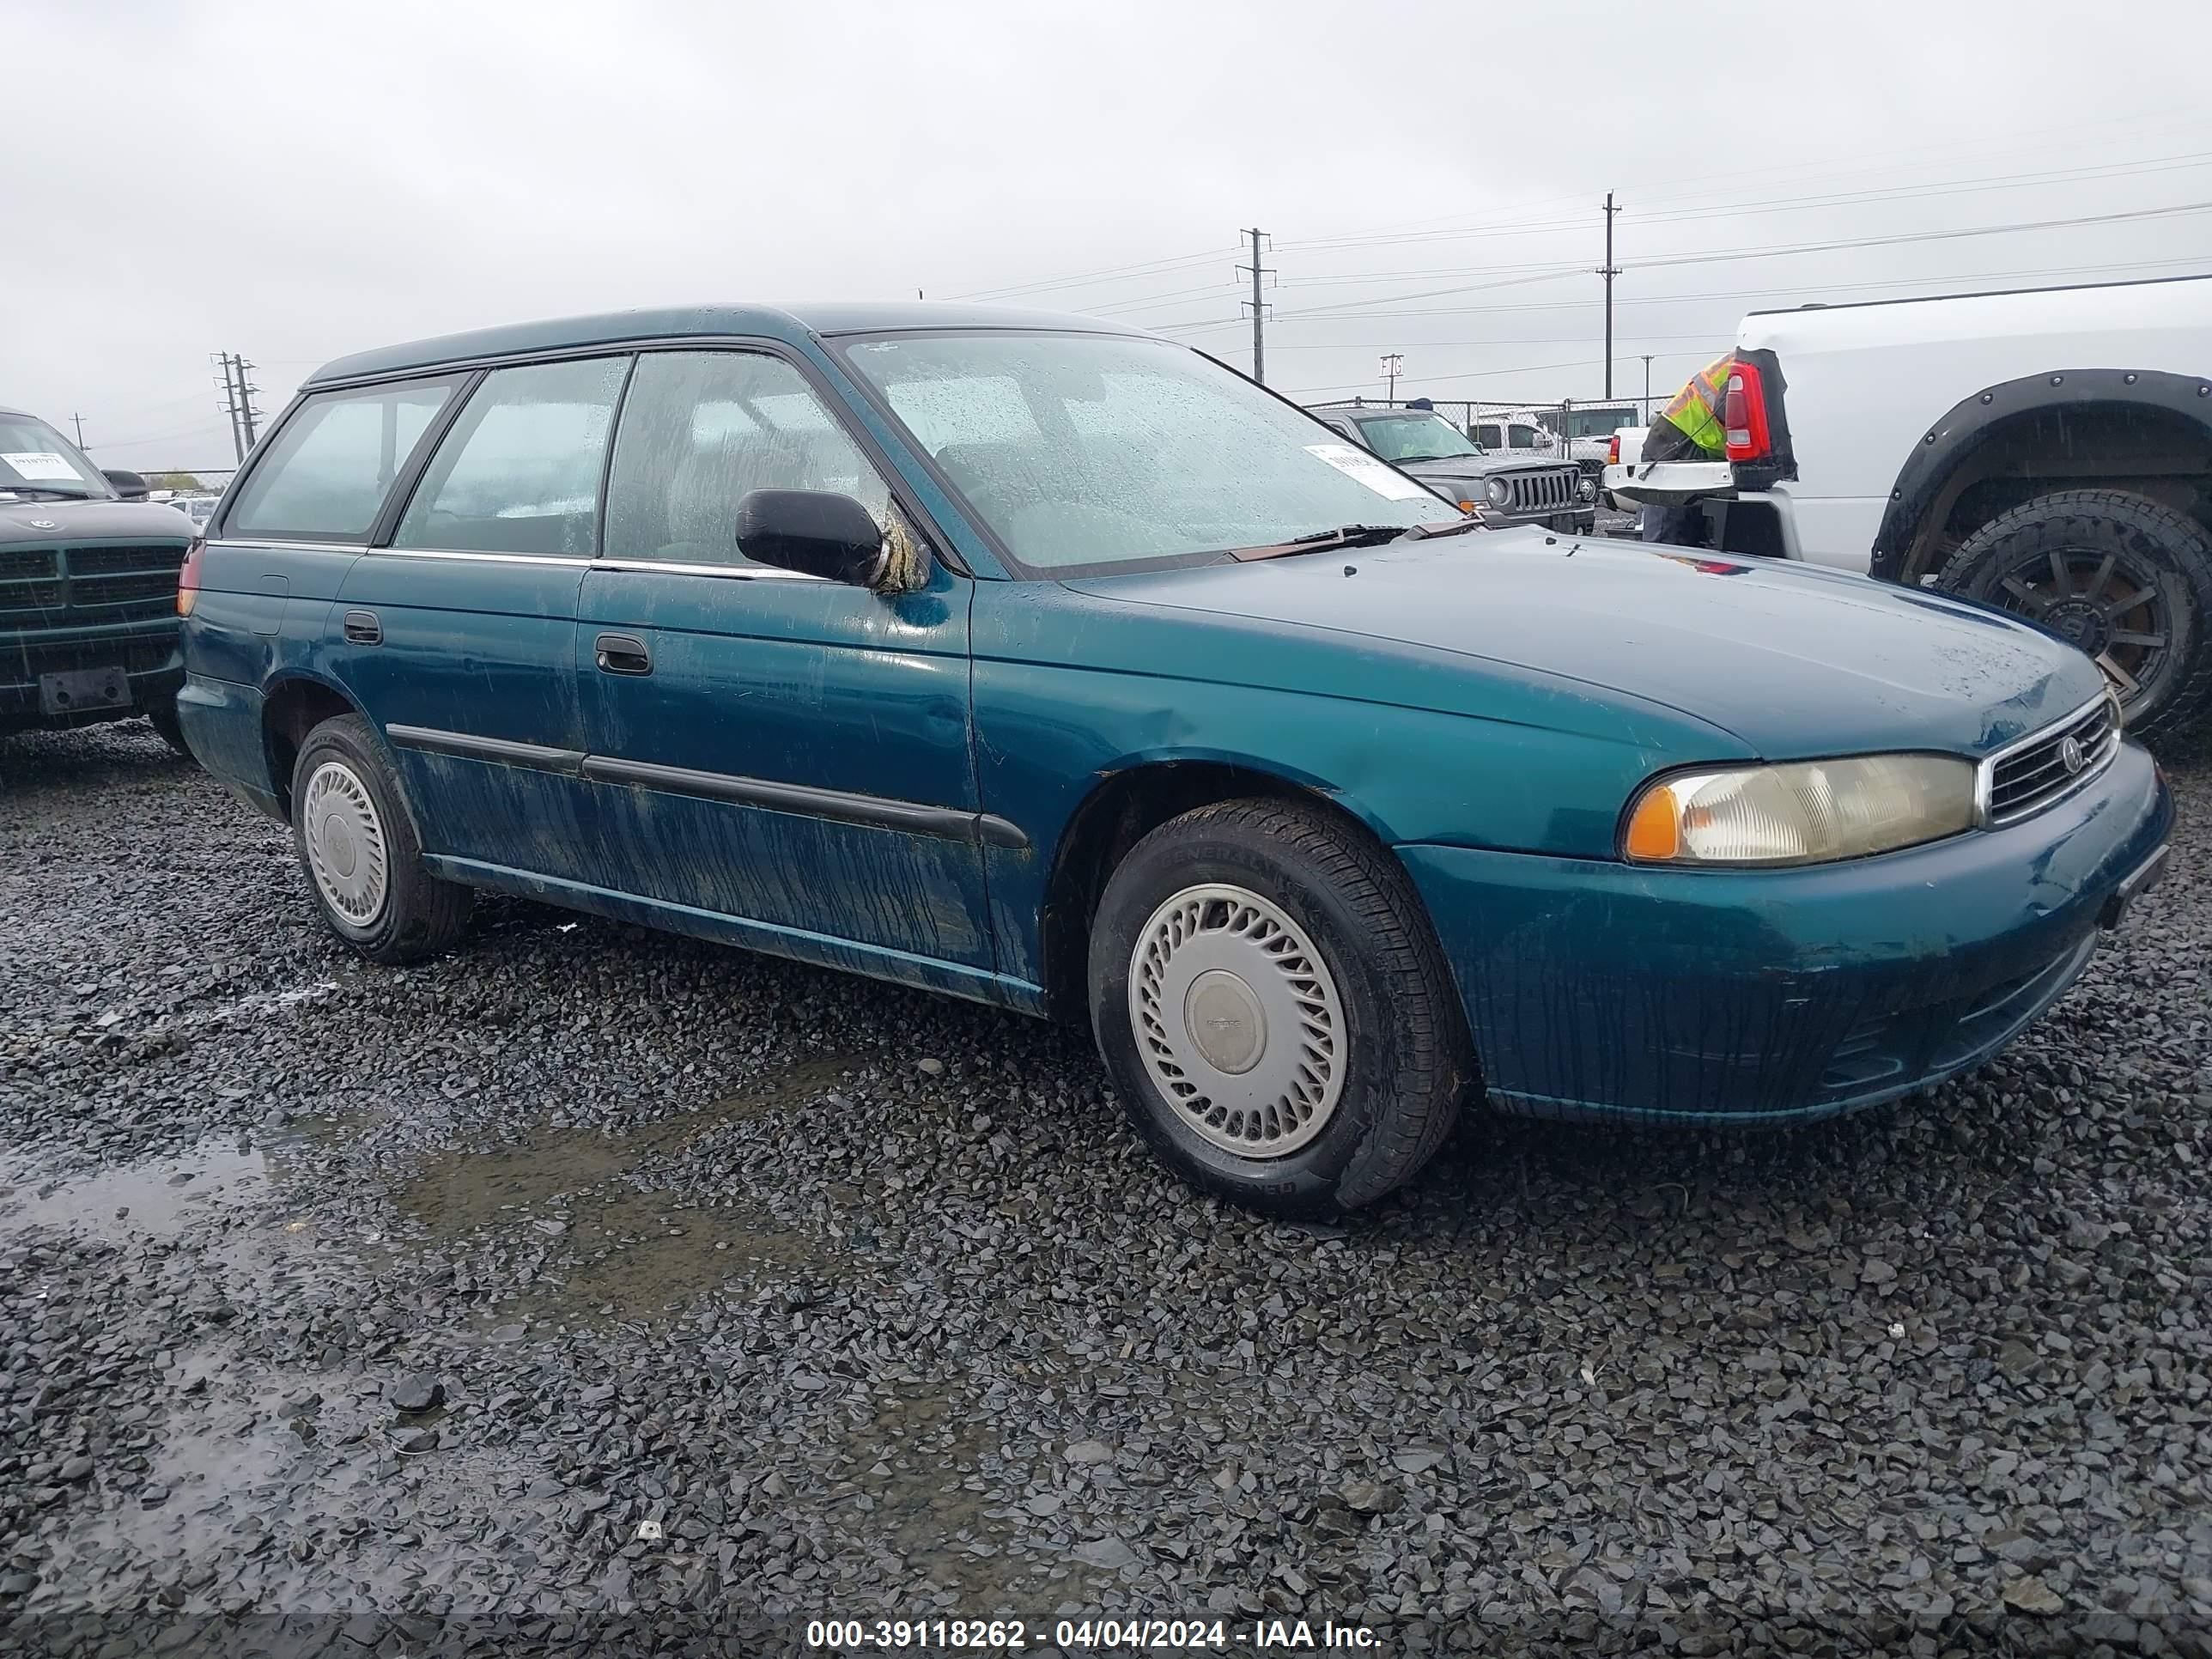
[(1352, 535), (45, 489)]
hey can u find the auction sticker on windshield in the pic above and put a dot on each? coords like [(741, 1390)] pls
[(1358, 463), (39, 463)]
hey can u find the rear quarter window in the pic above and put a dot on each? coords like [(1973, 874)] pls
[(330, 467), (520, 472)]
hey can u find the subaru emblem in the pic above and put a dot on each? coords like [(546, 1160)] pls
[(2069, 754), (44, 524)]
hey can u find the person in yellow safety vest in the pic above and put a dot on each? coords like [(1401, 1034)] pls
[(1688, 430)]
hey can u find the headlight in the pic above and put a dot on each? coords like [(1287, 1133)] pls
[(1809, 813), (1586, 488), (1496, 491)]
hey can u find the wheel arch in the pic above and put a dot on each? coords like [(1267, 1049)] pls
[(1127, 801), (293, 705), (2121, 412)]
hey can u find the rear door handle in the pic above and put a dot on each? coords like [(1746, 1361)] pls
[(362, 628), (623, 654)]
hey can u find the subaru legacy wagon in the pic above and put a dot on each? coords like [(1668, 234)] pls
[(1041, 662)]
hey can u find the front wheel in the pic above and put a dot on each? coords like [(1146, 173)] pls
[(363, 863), (2128, 580), (1273, 1009)]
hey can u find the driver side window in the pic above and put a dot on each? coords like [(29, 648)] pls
[(699, 430)]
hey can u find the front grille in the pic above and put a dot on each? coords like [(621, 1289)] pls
[(65, 586), (30, 580), (1549, 490), (2031, 774)]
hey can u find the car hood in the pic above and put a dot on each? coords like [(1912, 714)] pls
[(26, 522), (1476, 466), (1794, 662)]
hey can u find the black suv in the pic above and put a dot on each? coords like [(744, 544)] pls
[(87, 589), (1553, 495)]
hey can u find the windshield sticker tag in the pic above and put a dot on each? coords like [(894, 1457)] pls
[(1358, 463), (39, 463)]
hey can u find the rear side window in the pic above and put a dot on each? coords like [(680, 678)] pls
[(699, 429), (329, 469), (1487, 436), (520, 473)]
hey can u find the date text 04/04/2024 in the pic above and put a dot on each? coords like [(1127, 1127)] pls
[(1085, 1635)]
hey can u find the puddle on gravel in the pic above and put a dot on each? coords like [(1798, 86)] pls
[(619, 1250), (156, 1197), (942, 1529)]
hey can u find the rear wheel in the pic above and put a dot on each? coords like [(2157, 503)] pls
[(2128, 580), (1273, 1008), (363, 863)]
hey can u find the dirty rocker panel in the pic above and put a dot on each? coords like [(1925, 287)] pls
[(949, 822)]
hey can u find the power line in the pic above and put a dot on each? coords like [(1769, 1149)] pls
[(2087, 173), (1087, 278), (1783, 250), (2201, 262), (1477, 374), (2067, 135)]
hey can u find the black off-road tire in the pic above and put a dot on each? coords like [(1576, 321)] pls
[(161, 715), (419, 916), (1409, 1063), (2162, 544)]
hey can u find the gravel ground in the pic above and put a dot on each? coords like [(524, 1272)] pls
[(590, 1291)]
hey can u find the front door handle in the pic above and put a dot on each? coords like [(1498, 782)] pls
[(623, 654)]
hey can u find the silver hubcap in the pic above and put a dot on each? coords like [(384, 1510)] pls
[(345, 843), (1237, 1019)]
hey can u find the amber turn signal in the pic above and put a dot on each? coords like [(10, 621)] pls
[(1656, 831)]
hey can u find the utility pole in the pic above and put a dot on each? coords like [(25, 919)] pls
[(1609, 270), (222, 360), (1391, 362), (1259, 308), (238, 400), (246, 412), (78, 422)]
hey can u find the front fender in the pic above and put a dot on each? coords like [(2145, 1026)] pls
[(1981, 417)]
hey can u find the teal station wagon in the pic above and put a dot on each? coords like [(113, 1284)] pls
[(1058, 666)]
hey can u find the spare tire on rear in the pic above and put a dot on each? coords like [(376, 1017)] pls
[(2125, 579)]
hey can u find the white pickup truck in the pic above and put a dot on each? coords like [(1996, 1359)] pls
[(2047, 451)]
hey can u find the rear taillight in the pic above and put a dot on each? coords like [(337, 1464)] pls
[(1613, 451), (188, 580), (1743, 413)]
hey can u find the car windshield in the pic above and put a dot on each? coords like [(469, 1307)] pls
[(1416, 437), (37, 460), (1598, 422), (1086, 453)]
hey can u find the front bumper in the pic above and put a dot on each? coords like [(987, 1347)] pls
[(1579, 521), (1598, 989), (148, 653)]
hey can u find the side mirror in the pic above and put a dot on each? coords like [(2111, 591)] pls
[(814, 530), (129, 485)]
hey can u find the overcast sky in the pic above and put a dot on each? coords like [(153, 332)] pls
[(294, 181)]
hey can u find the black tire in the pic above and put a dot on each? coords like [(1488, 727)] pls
[(416, 914), (1407, 1062), (2113, 546), (161, 715)]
